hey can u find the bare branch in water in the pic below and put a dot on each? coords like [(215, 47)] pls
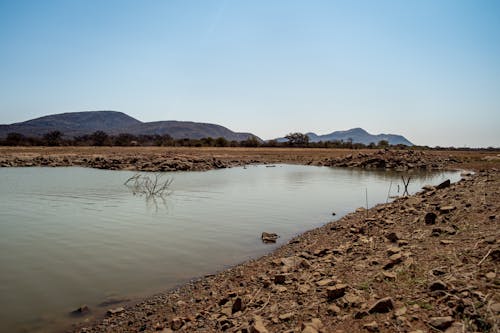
[(151, 185)]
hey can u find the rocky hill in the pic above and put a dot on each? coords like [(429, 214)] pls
[(112, 122), (357, 135)]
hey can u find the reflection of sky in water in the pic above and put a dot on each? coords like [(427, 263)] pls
[(72, 236)]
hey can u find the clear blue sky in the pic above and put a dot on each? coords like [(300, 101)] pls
[(429, 70)]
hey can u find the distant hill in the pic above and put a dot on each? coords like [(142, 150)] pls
[(357, 135), (113, 122)]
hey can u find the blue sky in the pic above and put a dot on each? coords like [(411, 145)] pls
[(429, 70)]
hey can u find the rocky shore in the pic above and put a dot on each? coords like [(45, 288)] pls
[(424, 263), (200, 159)]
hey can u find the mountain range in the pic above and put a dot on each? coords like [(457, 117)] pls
[(357, 135), (73, 124)]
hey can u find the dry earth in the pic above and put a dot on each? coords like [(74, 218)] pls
[(424, 263), (179, 158)]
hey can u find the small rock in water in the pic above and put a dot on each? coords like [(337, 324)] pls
[(444, 184), (81, 311), (269, 237)]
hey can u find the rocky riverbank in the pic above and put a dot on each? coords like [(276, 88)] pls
[(424, 263), (198, 159)]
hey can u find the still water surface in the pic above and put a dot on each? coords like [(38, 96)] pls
[(72, 236)]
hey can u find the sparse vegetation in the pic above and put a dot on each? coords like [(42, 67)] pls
[(150, 185)]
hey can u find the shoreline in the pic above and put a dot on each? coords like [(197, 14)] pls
[(372, 270)]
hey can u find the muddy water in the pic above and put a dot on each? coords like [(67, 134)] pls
[(72, 236)]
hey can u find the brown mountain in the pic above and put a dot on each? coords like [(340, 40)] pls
[(113, 122)]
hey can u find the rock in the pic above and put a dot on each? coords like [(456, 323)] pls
[(400, 311), (325, 282), (286, 316), (495, 308), (383, 305), (446, 209), (441, 323), (393, 237), (371, 327), (314, 326), (443, 185), (446, 242), (115, 311), (393, 250), (176, 323), (237, 305), (269, 237), (394, 260), (280, 278), (430, 218), (455, 328), (81, 311), (333, 309), (258, 326), (336, 291), (389, 276), (437, 285)]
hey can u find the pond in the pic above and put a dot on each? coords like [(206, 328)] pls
[(73, 236)]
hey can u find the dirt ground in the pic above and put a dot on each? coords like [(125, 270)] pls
[(423, 263), (182, 158)]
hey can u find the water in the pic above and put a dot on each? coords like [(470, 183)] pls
[(72, 236)]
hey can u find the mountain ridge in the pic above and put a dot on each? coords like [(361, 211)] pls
[(73, 124), (357, 135)]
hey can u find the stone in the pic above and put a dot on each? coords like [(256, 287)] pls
[(491, 275), (446, 242), (430, 218), (371, 326), (237, 305), (314, 326), (176, 323), (383, 305), (258, 325), (286, 316), (336, 291), (389, 276), (443, 185), (394, 260), (268, 237), (325, 282), (81, 311), (393, 237), (279, 278), (437, 285), (393, 250), (455, 328), (495, 308), (333, 309), (446, 209), (441, 323), (400, 311), (115, 311)]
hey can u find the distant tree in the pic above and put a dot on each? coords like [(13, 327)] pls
[(383, 144), (99, 138), (297, 139), (14, 139), (53, 138), (124, 139), (252, 141), (221, 142)]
